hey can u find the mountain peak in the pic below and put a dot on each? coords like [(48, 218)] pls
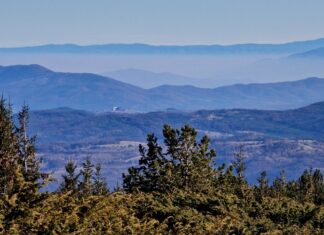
[(30, 67), (18, 72)]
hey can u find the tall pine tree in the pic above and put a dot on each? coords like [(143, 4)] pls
[(85, 185), (99, 183), (70, 179), (186, 164)]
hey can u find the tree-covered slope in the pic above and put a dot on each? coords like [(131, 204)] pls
[(44, 89), (70, 125), (273, 140)]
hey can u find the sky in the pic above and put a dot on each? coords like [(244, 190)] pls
[(180, 22)]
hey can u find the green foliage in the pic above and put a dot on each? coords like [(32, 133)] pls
[(185, 163), (100, 186), (152, 171), (70, 179), (9, 150), (91, 183), (20, 179), (176, 189), (239, 163), (85, 185)]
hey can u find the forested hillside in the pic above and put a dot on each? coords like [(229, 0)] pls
[(42, 88), (177, 188), (272, 140)]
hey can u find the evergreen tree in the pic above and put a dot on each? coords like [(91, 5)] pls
[(239, 163), (27, 152), (99, 183), (185, 165), (85, 186), (20, 178), (318, 187), (191, 161), (239, 184), (225, 179), (133, 180), (283, 179), (70, 179), (17, 154), (279, 185), (9, 151), (263, 185), (150, 175), (306, 186)]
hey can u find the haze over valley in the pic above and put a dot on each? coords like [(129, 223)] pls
[(205, 66)]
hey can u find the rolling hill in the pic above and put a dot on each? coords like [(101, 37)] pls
[(69, 126), (272, 140), (250, 48), (42, 88), (45, 89)]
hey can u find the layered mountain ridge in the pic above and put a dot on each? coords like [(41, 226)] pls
[(42, 88)]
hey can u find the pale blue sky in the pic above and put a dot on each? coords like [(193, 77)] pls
[(34, 22)]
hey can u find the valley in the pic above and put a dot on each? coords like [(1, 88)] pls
[(272, 140)]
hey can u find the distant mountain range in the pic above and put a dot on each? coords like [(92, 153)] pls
[(272, 140), (284, 48), (44, 89), (315, 53)]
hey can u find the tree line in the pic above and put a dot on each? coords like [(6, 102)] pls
[(176, 188)]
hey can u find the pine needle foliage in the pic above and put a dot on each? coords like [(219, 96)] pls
[(175, 189)]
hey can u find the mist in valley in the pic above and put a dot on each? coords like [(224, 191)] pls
[(206, 71)]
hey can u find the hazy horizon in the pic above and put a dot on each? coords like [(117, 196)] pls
[(167, 44), (37, 22), (160, 23)]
